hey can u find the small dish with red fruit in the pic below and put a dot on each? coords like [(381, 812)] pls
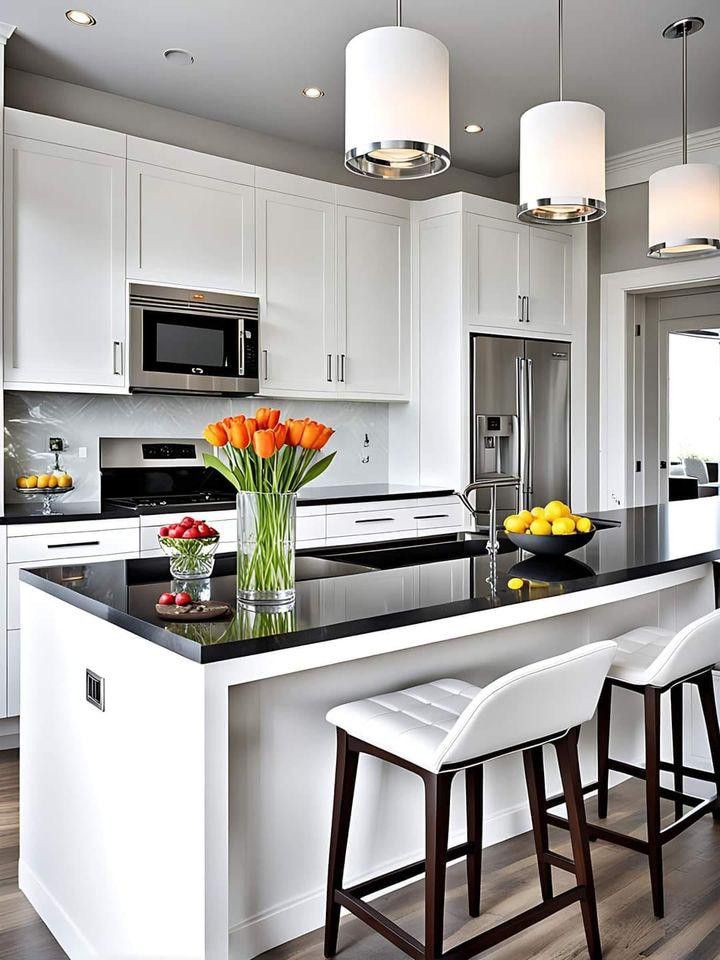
[(191, 546)]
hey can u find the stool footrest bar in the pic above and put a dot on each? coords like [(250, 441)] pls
[(559, 861), (374, 884), (381, 924), (603, 833), (674, 829)]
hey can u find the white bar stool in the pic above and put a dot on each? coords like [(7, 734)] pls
[(440, 728), (650, 661)]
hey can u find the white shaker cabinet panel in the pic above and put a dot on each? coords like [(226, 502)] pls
[(64, 232), (296, 285), (374, 330), (188, 229), (497, 268), (549, 308)]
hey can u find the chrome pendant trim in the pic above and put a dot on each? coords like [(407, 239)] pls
[(660, 251), (526, 212), (434, 160)]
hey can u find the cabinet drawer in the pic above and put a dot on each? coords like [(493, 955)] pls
[(309, 528), (77, 543), (377, 523), (450, 515)]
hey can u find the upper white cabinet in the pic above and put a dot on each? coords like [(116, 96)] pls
[(191, 218), (374, 332), (296, 285), (549, 306), (64, 259)]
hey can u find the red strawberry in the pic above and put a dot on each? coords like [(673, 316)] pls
[(166, 599), (182, 599), (204, 530), (176, 531), (164, 531), (187, 521), (190, 533)]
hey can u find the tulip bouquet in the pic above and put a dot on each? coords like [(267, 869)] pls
[(267, 462)]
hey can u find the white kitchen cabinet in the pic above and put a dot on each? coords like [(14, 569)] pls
[(549, 306), (296, 285), (497, 271), (187, 227), (64, 266), (374, 331)]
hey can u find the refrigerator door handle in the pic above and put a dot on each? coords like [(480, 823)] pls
[(520, 384), (531, 427)]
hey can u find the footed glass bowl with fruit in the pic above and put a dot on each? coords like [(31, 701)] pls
[(191, 546), (553, 530)]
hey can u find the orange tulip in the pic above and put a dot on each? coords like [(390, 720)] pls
[(281, 432), (238, 434), (295, 431), (273, 419), (252, 425), (216, 434), (310, 434), (261, 415), (323, 438), (264, 443)]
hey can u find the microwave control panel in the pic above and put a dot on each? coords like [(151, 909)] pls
[(251, 350)]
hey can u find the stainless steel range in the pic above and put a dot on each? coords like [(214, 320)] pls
[(151, 475)]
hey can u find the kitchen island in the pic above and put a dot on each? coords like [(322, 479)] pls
[(188, 816)]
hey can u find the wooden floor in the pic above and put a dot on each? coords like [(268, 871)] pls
[(691, 930)]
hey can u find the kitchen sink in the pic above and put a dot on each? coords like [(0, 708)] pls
[(408, 553), (322, 568)]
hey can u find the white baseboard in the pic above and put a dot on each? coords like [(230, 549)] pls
[(292, 919), (54, 917)]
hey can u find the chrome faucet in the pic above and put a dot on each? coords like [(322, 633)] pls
[(491, 484)]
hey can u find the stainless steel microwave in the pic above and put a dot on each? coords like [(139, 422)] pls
[(192, 341)]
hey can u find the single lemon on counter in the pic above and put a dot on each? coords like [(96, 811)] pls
[(556, 509), (31, 482), (43, 480), (541, 528), (53, 482), (515, 524), (526, 516), (515, 583), (563, 526), (538, 513), (21, 482), (65, 481), (584, 525)]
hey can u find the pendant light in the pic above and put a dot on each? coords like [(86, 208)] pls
[(684, 200), (562, 158), (397, 103)]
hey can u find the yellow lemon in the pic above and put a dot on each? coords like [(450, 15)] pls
[(31, 482), (515, 524), (538, 513), (541, 528), (563, 526), (526, 516), (515, 583), (43, 480), (21, 482), (584, 525), (555, 510), (65, 480), (53, 482)]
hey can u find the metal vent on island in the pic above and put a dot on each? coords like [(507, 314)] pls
[(95, 689)]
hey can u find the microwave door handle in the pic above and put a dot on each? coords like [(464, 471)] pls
[(241, 346)]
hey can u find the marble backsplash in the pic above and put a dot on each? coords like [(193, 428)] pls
[(81, 419)]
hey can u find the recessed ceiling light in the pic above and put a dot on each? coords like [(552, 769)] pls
[(312, 93), (179, 57), (473, 128), (80, 18)]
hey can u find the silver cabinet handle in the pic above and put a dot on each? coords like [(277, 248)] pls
[(329, 368), (266, 365), (81, 543), (521, 315), (526, 309), (378, 520), (341, 367), (432, 516), (117, 357)]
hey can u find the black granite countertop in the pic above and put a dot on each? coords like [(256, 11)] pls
[(647, 541), (30, 510)]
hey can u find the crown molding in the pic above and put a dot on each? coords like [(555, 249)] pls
[(6, 31), (636, 166)]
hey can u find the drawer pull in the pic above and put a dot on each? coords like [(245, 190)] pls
[(82, 543), (378, 520), (433, 516)]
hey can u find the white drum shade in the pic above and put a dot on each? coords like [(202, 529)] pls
[(684, 210), (562, 163), (397, 104)]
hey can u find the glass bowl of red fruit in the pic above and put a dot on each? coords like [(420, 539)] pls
[(191, 546)]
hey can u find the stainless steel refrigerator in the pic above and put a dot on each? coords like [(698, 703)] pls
[(520, 418)]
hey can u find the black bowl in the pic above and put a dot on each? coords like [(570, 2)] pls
[(551, 545), (551, 569)]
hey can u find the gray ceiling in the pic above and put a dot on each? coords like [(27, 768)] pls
[(253, 58)]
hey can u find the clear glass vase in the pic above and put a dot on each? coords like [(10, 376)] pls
[(266, 548)]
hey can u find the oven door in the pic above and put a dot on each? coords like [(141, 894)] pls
[(175, 351)]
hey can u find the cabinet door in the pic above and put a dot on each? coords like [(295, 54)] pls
[(497, 265), (64, 267), (191, 230), (296, 284), (549, 307), (373, 305)]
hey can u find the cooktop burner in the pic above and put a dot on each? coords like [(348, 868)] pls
[(178, 501)]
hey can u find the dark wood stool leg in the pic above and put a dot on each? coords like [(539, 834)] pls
[(676, 711), (706, 689), (535, 778), (474, 806), (603, 748), (652, 796), (567, 754), (345, 777), (437, 824)]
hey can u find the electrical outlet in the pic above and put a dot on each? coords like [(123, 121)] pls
[(56, 445), (82, 453)]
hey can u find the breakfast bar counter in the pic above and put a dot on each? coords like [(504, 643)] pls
[(209, 741)]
